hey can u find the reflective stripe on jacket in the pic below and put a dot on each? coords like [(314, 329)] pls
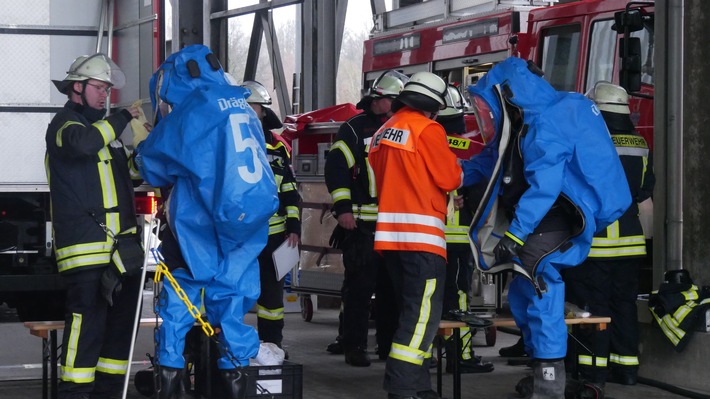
[(414, 169), (458, 223), (457, 227), (89, 174), (676, 308), (287, 218), (348, 174), (624, 238)]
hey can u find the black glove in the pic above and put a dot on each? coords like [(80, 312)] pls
[(506, 250), (110, 284), (126, 258), (129, 248), (338, 237)]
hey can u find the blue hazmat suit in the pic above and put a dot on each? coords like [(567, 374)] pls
[(210, 149), (566, 165)]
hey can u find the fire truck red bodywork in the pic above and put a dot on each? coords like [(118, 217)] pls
[(458, 49), (487, 34)]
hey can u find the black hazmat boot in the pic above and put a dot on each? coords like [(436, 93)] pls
[(170, 383), (235, 383), (549, 379)]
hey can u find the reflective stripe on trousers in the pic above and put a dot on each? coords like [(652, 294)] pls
[(418, 279)]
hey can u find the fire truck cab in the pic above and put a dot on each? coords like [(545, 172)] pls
[(579, 44)]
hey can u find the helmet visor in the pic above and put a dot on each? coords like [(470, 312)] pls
[(485, 118), (259, 93), (449, 99), (389, 84), (161, 108)]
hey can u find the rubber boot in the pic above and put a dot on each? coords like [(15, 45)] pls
[(235, 383), (108, 386), (336, 347), (357, 357), (473, 365), (524, 388), (516, 350), (549, 379), (144, 381), (170, 383)]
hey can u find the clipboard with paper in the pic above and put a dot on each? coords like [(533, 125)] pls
[(285, 258)]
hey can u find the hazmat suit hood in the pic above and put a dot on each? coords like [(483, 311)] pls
[(181, 73), (565, 152), (532, 92)]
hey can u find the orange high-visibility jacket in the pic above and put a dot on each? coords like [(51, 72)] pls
[(414, 170)]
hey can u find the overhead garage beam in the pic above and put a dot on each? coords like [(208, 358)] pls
[(267, 5)]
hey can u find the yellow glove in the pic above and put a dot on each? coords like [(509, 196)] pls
[(451, 209), (140, 132)]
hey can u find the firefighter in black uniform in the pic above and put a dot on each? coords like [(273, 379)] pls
[(459, 266), (349, 179), (284, 225), (607, 283), (91, 179)]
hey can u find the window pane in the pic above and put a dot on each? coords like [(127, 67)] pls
[(647, 65), (560, 56), (601, 53)]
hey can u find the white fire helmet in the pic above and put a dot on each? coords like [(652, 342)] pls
[(259, 94), (455, 103), (97, 66), (389, 84), (610, 98), (425, 91)]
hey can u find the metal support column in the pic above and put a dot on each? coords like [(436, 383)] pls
[(323, 22), (257, 31), (669, 138), (277, 69)]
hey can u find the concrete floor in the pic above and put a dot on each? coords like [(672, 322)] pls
[(325, 376)]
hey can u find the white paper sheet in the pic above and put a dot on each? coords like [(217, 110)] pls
[(285, 259)]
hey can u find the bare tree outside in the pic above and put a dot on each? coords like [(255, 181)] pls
[(349, 80), (350, 64)]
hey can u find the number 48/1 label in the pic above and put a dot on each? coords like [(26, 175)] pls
[(459, 143)]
